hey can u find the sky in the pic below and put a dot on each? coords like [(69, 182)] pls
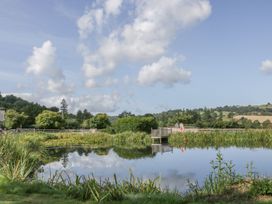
[(142, 56)]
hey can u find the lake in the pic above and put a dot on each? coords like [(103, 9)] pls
[(173, 166)]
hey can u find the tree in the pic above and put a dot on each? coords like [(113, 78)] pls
[(267, 124), (135, 123), (100, 121), (81, 116), (13, 119), (125, 114), (49, 120), (256, 124), (63, 108), (86, 124), (71, 123)]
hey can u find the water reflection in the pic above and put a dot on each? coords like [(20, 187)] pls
[(161, 148), (174, 166)]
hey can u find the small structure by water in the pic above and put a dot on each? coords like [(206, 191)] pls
[(162, 133)]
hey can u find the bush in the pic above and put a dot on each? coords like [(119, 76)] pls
[(135, 123), (13, 119), (49, 120), (100, 121), (71, 123), (261, 187)]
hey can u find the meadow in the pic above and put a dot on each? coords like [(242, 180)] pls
[(19, 183)]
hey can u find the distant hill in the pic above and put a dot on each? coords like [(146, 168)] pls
[(21, 105)]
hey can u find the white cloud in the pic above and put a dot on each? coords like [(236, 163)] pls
[(163, 71), (42, 61), (147, 37), (42, 64), (266, 66), (109, 82), (91, 20), (112, 7), (59, 86)]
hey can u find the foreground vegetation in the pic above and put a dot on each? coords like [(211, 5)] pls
[(247, 138), (19, 184)]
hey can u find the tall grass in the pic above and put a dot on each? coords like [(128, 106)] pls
[(247, 138), (88, 188), (17, 162)]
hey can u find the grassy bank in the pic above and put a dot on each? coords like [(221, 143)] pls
[(18, 183), (247, 138)]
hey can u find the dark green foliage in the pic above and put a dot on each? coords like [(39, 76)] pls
[(71, 123), (63, 108), (261, 187), (85, 115), (135, 123), (267, 124), (32, 110)]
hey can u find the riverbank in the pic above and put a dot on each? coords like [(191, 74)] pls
[(18, 183)]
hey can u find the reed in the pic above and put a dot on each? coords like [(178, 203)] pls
[(17, 162), (246, 138), (88, 188)]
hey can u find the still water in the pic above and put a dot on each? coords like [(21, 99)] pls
[(174, 166)]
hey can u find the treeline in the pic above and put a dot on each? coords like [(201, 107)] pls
[(30, 110), (54, 120), (21, 113), (208, 118)]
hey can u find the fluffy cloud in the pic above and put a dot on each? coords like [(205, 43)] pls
[(86, 23), (42, 64), (112, 7), (163, 71), (147, 37), (42, 61), (266, 66)]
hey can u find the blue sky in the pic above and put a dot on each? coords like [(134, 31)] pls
[(137, 55)]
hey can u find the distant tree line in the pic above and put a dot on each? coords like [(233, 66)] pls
[(209, 118), (23, 114)]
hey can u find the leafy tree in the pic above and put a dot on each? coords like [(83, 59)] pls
[(23, 106), (245, 123), (135, 123), (256, 124), (49, 120), (125, 114), (13, 119), (81, 116), (71, 123), (100, 121), (63, 108), (267, 124), (86, 124)]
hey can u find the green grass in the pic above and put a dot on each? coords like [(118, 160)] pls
[(246, 138)]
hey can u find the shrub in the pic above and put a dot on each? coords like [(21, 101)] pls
[(135, 123), (49, 120)]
